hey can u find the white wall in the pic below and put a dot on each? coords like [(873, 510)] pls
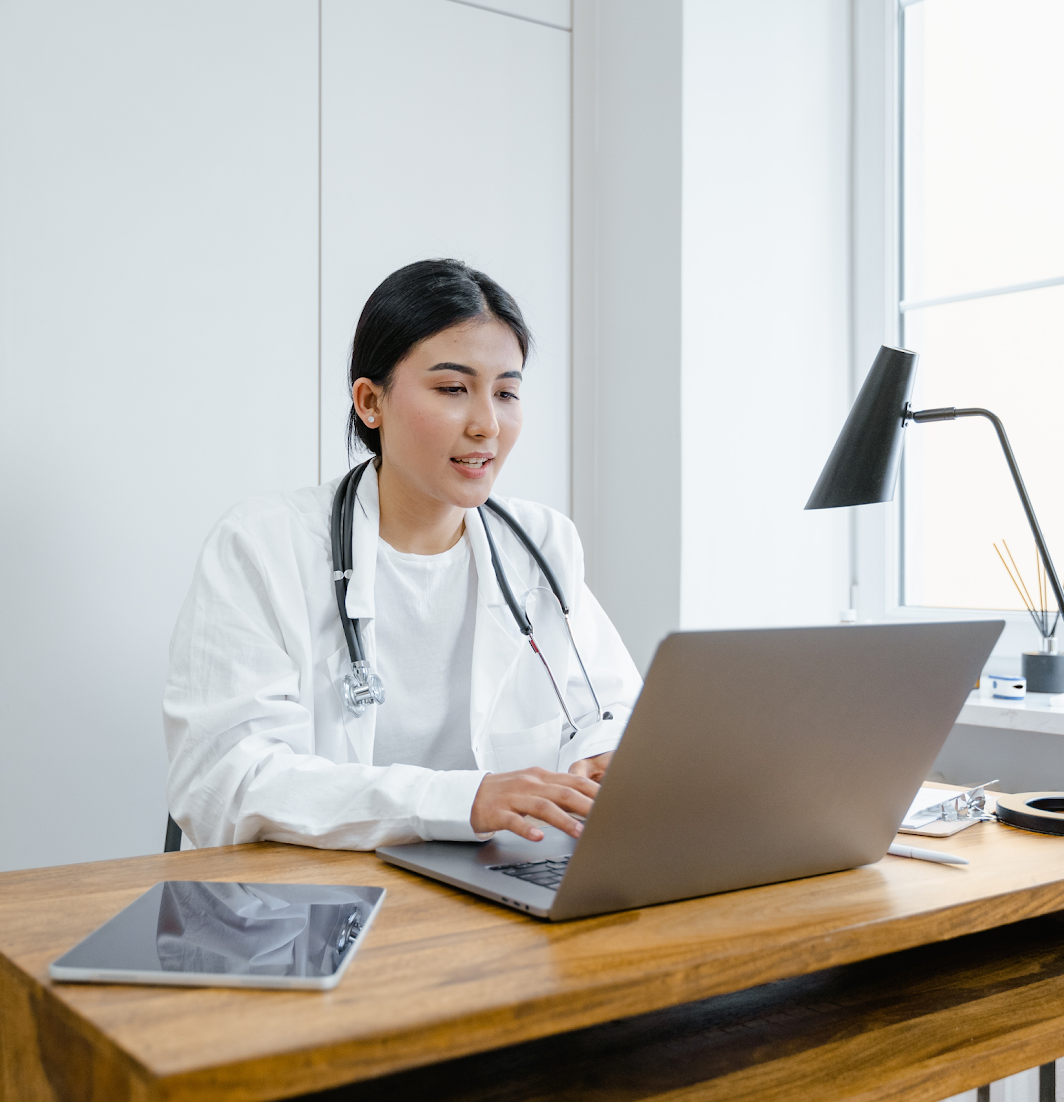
[(711, 347), (457, 150), (158, 359), (765, 308), (627, 156), (159, 319), (160, 315)]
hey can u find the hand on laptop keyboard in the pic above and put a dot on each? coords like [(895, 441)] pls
[(592, 768), (504, 799)]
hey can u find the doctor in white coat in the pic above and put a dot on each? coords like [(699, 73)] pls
[(471, 737)]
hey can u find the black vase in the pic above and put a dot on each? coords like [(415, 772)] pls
[(1044, 672)]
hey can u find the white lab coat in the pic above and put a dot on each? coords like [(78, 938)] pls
[(260, 745)]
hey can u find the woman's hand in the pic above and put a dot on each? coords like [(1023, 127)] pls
[(592, 768), (504, 799)]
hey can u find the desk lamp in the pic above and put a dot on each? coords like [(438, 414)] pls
[(863, 468)]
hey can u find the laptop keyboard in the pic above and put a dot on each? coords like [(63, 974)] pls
[(547, 874)]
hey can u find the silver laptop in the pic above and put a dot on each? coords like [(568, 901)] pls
[(751, 757)]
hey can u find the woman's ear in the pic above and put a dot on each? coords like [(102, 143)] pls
[(367, 395)]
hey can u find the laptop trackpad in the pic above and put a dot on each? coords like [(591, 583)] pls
[(507, 848)]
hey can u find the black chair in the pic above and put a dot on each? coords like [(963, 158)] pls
[(173, 836)]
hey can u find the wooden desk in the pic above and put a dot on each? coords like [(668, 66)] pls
[(444, 974), (917, 1026)]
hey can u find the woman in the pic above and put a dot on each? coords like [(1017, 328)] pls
[(471, 737)]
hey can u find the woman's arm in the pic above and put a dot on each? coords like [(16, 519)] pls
[(240, 724)]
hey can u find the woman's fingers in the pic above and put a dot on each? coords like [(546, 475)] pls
[(503, 798), (568, 798), (572, 782), (520, 825), (594, 767), (549, 812)]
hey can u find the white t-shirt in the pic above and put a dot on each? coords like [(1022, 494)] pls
[(424, 619)]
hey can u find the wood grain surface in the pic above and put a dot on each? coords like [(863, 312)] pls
[(444, 974), (915, 1026)]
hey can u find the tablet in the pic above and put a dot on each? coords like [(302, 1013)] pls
[(201, 933)]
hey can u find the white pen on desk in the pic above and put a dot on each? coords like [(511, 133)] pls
[(925, 854)]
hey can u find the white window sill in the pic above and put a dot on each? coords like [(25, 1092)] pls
[(1036, 713)]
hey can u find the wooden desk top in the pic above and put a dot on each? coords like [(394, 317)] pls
[(914, 1026), (443, 973)]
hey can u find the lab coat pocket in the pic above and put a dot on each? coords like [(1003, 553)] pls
[(537, 745)]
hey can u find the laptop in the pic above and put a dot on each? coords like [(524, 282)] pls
[(751, 757)]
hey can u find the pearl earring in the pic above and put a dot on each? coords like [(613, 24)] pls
[(369, 419)]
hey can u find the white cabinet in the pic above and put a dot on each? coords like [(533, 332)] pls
[(158, 362), (168, 206), (445, 132)]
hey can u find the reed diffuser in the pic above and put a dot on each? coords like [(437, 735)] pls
[(1044, 668)]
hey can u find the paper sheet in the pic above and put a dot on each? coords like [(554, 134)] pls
[(918, 821), (925, 798)]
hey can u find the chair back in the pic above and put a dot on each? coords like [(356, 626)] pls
[(173, 836)]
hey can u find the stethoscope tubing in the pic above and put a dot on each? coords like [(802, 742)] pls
[(343, 508), (518, 530), (519, 613), (340, 532)]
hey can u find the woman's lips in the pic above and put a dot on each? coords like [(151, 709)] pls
[(473, 467)]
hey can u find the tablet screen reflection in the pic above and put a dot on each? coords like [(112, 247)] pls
[(259, 929)]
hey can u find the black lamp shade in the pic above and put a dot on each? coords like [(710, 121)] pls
[(863, 465)]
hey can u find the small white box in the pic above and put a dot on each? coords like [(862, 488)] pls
[(1007, 688)]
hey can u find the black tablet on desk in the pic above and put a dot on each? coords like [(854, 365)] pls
[(204, 933)]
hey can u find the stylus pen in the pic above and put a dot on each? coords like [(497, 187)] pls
[(926, 854)]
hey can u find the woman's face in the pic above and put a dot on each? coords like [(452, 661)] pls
[(451, 413)]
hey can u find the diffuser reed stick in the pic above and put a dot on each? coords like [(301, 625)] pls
[(1039, 613)]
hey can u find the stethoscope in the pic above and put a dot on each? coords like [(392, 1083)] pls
[(362, 687)]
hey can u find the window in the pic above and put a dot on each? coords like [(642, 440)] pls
[(981, 295)]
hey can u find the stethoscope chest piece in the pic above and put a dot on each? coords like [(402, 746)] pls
[(360, 688)]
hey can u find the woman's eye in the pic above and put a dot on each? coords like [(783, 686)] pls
[(451, 389), (508, 396)]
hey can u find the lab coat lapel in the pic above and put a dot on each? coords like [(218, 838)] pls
[(365, 531), (497, 641)]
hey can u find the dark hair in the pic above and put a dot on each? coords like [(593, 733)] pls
[(414, 303)]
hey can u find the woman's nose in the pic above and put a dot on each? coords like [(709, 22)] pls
[(483, 422)]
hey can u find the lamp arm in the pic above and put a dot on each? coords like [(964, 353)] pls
[(949, 414)]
